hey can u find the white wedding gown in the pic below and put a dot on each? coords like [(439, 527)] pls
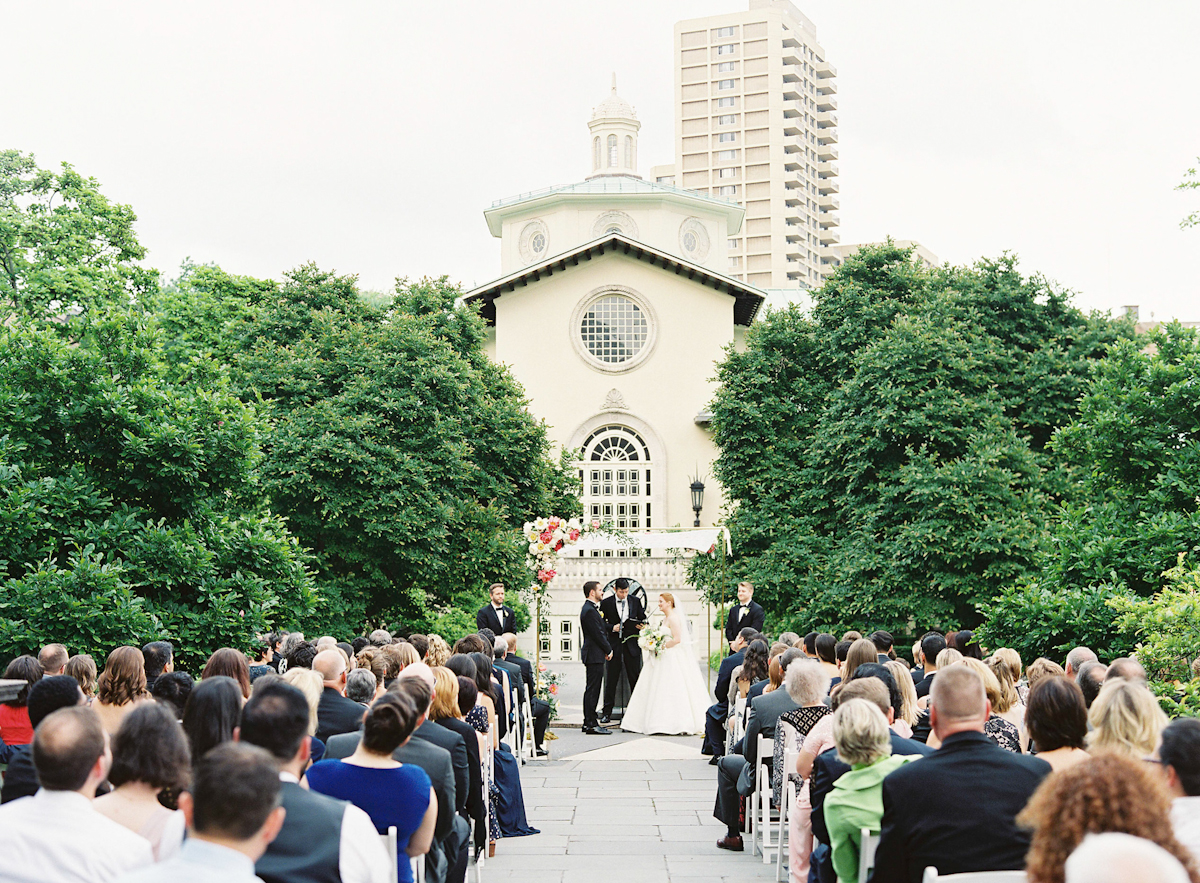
[(670, 698)]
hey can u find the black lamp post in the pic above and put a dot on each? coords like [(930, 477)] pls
[(697, 498)]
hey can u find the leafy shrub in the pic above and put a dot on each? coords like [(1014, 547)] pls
[(1167, 625)]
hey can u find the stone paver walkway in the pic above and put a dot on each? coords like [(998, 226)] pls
[(634, 812)]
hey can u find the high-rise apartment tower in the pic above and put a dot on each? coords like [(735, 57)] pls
[(755, 122)]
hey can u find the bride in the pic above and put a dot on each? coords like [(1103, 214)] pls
[(670, 697)]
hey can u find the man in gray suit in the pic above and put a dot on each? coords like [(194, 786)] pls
[(736, 772)]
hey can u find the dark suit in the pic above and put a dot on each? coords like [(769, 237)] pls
[(473, 808), (927, 823), (627, 655), (540, 708), (925, 684), (754, 619), (452, 742), (714, 720), (336, 714), (487, 618), (594, 651)]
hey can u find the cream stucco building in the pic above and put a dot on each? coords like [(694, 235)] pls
[(755, 102), (613, 307)]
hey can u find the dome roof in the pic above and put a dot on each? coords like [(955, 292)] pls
[(614, 106)]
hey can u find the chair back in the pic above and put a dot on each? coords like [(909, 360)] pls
[(932, 876), (868, 842), (389, 846)]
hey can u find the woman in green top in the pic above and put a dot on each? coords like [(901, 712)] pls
[(860, 732)]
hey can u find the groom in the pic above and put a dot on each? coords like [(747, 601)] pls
[(595, 650), (624, 617)]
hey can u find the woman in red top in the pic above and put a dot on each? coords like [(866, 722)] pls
[(15, 728)]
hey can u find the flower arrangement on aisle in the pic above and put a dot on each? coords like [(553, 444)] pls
[(653, 638), (547, 537)]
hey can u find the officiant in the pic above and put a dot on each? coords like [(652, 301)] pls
[(624, 616)]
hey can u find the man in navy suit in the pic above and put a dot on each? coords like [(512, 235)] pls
[(714, 721), (744, 614), (596, 651), (926, 821), (495, 615)]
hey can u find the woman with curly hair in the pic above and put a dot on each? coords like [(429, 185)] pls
[(1126, 718), (438, 652), (83, 669), (120, 687), (1107, 793)]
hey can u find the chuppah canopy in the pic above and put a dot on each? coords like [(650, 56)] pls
[(700, 539)]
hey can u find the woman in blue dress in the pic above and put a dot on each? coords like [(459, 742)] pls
[(391, 793)]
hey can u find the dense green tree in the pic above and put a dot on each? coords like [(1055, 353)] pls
[(64, 247), (886, 456), (130, 506), (398, 453)]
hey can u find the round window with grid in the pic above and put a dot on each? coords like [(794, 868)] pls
[(614, 329)]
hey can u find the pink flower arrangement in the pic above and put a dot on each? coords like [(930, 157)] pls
[(545, 576)]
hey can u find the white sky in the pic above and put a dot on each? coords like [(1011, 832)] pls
[(369, 137)]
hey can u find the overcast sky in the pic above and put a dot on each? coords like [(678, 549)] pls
[(370, 137)]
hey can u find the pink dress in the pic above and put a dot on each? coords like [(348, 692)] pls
[(800, 837)]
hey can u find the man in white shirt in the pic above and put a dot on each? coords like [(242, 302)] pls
[(56, 834), (232, 813), (321, 838), (1179, 758)]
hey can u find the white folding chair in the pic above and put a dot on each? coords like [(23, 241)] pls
[(739, 718), (868, 842), (932, 876), (768, 816), (389, 846), (418, 868), (529, 740), (790, 756)]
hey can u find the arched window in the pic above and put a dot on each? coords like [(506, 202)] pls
[(612, 151), (615, 469), (629, 151), (596, 154)]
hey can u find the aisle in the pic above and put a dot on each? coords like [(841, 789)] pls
[(634, 812)]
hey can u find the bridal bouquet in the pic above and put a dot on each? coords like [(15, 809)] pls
[(653, 638)]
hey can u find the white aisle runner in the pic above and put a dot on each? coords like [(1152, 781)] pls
[(635, 812)]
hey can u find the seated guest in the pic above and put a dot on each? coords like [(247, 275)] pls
[(300, 656), (862, 739), (926, 822), (310, 684), (57, 834), (736, 773), (1179, 760), (774, 673), (264, 656), (883, 642), (392, 794), (45, 697), (1127, 668), (1010, 658), (1108, 793), (15, 728), (1057, 722), (321, 838), (173, 690), (1090, 679), (965, 643), (1000, 731), (445, 712), (489, 696), (150, 753), (791, 639), (931, 645), (1007, 704), (476, 717), (211, 714), (158, 659), (827, 768), (714, 722), (83, 669), (1118, 858), (808, 730), (229, 663), (538, 706), (361, 686), (826, 646), (439, 650), (907, 713), (754, 668), (233, 814), (335, 713), (53, 659), (120, 687), (1125, 718), (1077, 657)]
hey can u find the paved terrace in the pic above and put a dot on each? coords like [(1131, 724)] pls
[(636, 808)]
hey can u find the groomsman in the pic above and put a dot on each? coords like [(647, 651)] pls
[(744, 614), (624, 617), (596, 650), (496, 615)]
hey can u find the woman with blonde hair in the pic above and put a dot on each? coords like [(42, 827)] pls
[(1126, 718), (83, 669), (908, 695), (1042, 668), (120, 687), (438, 652), (1011, 658), (1008, 704), (1108, 793), (311, 685)]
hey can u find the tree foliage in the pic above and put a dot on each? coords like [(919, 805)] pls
[(886, 456), (397, 451)]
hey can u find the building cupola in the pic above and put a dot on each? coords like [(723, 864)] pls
[(614, 127)]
